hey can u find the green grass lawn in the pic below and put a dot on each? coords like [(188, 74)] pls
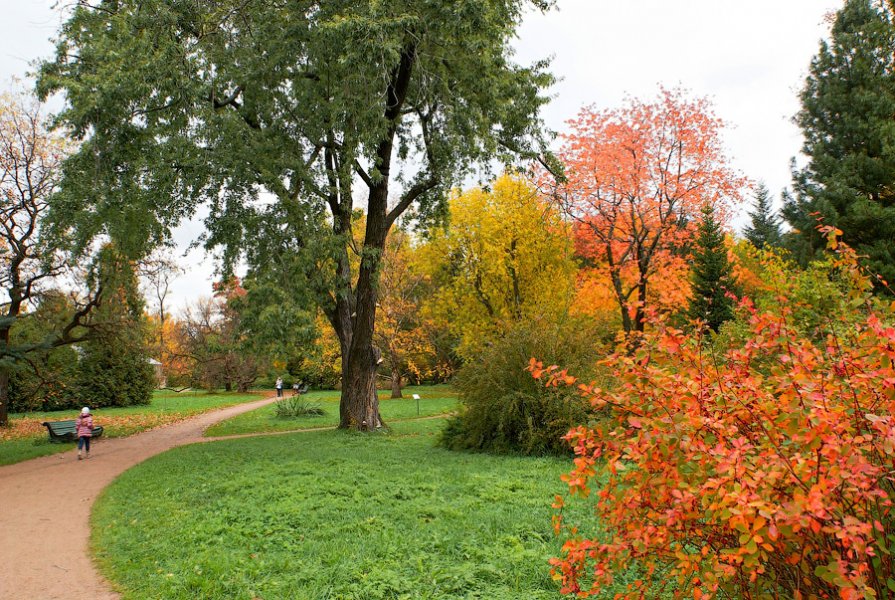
[(13, 451), (32, 440), (163, 402), (331, 515), (434, 400)]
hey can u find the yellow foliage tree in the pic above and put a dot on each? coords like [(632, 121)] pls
[(506, 257)]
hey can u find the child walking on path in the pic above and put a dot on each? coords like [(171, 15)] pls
[(84, 430)]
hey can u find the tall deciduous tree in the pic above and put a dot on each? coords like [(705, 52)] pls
[(846, 119), (636, 179), (313, 104), (157, 273), (712, 274), (400, 329), (214, 340), (30, 158), (506, 257), (764, 228)]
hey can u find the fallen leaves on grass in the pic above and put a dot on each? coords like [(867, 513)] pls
[(114, 425), (21, 428)]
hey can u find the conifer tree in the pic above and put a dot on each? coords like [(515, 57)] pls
[(712, 275), (114, 368), (846, 119), (764, 230)]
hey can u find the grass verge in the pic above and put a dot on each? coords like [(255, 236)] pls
[(330, 515), (26, 438), (434, 400)]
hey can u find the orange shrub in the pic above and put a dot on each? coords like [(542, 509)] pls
[(766, 472)]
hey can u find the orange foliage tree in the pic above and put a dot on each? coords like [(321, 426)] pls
[(211, 338), (166, 342), (401, 330), (765, 472), (157, 273), (636, 178)]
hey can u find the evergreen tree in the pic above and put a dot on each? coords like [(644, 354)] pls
[(765, 228), (114, 369), (846, 119), (712, 275)]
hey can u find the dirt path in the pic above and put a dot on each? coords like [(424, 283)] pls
[(45, 509)]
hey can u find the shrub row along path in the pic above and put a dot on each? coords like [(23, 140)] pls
[(45, 509)]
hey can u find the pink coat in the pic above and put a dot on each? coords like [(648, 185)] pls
[(84, 426)]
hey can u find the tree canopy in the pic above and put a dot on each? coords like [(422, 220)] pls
[(637, 178), (506, 257), (846, 119), (764, 224), (279, 117), (30, 158)]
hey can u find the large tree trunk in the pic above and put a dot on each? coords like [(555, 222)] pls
[(396, 383), (4, 396), (4, 380), (359, 406), (359, 392)]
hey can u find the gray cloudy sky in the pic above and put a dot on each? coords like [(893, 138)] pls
[(750, 57)]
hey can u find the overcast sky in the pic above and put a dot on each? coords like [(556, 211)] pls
[(749, 57)]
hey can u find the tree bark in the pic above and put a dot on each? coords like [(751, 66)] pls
[(4, 397), (640, 315), (359, 402), (396, 383), (4, 381), (359, 405)]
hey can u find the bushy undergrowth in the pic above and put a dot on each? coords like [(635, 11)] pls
[(762, 472), (296, 406), (504, 410)]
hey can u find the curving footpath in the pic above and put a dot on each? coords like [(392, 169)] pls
[(45, 508)]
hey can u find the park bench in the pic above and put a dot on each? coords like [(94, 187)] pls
[(64, 431)]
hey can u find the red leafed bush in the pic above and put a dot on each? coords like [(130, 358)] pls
[(767, 471)]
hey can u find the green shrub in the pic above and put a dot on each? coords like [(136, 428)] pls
[(504, 409), (47, 388), (296, 406), (111, 373)]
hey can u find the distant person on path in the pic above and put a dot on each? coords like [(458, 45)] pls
[(279, 386), (84, 430)]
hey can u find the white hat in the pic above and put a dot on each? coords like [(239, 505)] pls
[(85, 411)]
